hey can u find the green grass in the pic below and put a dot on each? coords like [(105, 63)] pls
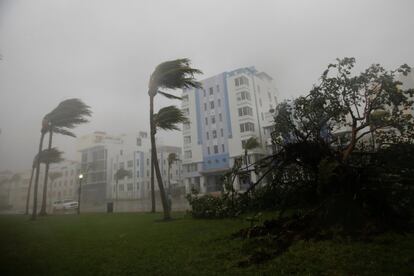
[(140, 244)]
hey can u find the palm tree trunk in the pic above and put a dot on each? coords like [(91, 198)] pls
[(155, 162), (29, 191), (152, 188), (43, 208), (36, 184), (116, 194)]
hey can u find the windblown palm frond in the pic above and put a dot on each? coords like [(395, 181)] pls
[(122, 173), (51, 156), (169, 96), (68, 114), (63, 131), (172, 157), (168, 117), (174, 74), (251, 143)]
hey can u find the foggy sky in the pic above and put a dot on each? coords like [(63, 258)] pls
[(104, 51)]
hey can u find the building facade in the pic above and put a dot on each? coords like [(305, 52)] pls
[(229, 109)]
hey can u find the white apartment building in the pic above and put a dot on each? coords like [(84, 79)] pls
[(63, 182), (101, 155), (229, 109)]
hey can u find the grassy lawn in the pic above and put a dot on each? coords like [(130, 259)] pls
[(139, 244)]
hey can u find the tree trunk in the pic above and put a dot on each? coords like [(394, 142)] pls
[(116, 193), (152, 188), (43, 208), (36, 184), (28, 192), (350, 148), (169, 187), (155, 162)]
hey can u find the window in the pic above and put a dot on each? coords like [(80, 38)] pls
[(137, 162), (147, 161), (241, 81), (129, 187), (245, 111), (215, 149), (186, 126), (244, 95), (147, 173), (187, 154), (260, 102), (213, 119), (205, 106), (245, 127), (187, 139), (121, 165), (121, 187), (208, 150), (121, 152), (211, 90), (130, 163), (206, 121), (137, 174), (204, 92), (212, 104), (139, 142), (221, 132), (84, 157), (218, 88), (220, 117), (208, 137), (219, 102), (222, 148), (129, 174), (214, 134)]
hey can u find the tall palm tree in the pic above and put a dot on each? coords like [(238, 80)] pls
[(121, 173), (52, 155), (30, 186), (67, 115), (174, 74)]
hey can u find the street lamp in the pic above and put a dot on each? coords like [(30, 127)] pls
[(79, 192)]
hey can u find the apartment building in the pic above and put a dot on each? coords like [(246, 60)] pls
[(229, 109)]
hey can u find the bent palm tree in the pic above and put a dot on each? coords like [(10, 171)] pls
[(67, 115), (172, 74), (120, 174), (52, 155)]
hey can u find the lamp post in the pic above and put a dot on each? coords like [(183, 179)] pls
[(79, 192)]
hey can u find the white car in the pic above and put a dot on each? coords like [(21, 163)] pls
[(63, 205)]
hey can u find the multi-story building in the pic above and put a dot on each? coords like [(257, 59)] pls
[(63, 182), (229, 109), (102, 155)]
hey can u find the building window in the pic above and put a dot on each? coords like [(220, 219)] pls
[(245, 127), (204, 92), (218, 88), (208, 150), (206, 121), (241, 81), (186, 126), (245, 111), (187, 139), (213, 119), (121, 165), (137, 174), (208, 137), (214, 134), (221, 132), (215, 149), (220, 117), (130, 164), (244, 95), (219, 102), (211, 90), (187, 154), (205, 106), (121, 187), (222, 148), (129, 187), (139, 142), (121, 152), (212, 104)]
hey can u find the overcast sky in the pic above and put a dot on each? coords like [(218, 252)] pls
[(104, 51)]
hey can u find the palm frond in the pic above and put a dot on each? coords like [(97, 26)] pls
[(122, 173), (169, 96), (50, 156), (68, 114), (251, 143), (172, 157), (168, 117), (174, 74), (63, 131)]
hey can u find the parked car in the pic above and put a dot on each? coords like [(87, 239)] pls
[(65, 205)]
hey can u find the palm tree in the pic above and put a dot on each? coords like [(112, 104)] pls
[(174, 74), (52, 155), (250, 144), (120, 174), (172, 157), (67, 115), (30, 186)]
